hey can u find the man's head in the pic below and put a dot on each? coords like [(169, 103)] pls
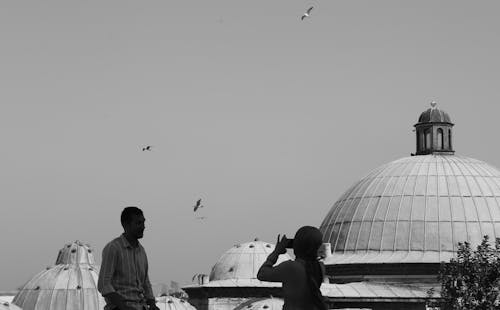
[(133, 220)]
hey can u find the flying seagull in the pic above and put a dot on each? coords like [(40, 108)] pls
[(307, 13), (147, 148), (198, 205)]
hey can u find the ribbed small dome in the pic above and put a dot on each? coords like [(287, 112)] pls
[(4, 305), (415, 209), (434, 115), (243, 261), (68, 285), (262, 304), (75, 253), (173, 303)]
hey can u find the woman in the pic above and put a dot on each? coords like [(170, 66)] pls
[(302, 277)]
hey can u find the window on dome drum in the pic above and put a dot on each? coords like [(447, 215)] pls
[(428, 139), (440, 139), (449, 139), (421, 141)]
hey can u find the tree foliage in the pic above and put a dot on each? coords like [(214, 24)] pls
[(471, 281)]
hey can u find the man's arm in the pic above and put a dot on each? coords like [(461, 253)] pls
[(104, 285), (148, 290)]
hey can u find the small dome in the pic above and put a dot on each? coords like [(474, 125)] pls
[(173, 303), (75, 253), (71, 284), (5, 305), (434, 115), (262, 304), (243, 261)]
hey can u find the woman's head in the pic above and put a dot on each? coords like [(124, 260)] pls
[(306, 243)]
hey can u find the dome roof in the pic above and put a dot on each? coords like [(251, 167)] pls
[(5, 305), (243, 261), (70, 284), (173, 303), (75, 253), (434, 115), (415, 209), (262, 304)]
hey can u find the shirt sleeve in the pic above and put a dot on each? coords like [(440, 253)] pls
[(148, 291), (108, 266), (277, 273)]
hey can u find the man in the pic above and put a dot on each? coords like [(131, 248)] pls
[(123, 279)]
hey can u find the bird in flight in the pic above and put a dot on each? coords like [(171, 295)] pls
[(147, 148), (307, 13), (197, 205)]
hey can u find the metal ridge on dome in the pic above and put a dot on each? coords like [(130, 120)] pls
[(414, 209)]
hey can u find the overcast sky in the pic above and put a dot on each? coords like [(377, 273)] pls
[(265, 117)]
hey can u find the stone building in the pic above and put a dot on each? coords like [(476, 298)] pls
[(70, 284), (233, 279), (389, 232)]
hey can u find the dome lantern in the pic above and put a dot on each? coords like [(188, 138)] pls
[(434, 132)]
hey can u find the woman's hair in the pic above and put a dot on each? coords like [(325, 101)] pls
[(306, 244)]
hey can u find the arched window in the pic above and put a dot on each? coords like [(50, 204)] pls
[(449, 139), (428, 141), (421, 141), (440, 139)]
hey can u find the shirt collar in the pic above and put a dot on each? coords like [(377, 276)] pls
[(127, 244)]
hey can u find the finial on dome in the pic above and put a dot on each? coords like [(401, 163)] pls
[(256, 239), (433, 104)]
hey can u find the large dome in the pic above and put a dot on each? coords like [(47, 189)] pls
[(243, 261), (414, 210)]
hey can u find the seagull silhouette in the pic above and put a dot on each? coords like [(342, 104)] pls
[(198, 205), (147, 148), (307, 13)]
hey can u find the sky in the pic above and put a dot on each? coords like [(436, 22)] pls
[(268, 119)]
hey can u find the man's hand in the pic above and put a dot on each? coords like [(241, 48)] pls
[(152, 305), (281, 245)]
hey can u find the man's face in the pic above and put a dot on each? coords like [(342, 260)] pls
[(136, 226)]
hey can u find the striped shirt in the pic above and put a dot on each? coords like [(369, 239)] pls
[(124, 270)]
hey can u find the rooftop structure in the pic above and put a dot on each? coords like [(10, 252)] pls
[(71, 284), (398, 223), (233, 279)]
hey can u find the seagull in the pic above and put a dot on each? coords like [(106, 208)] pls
[(307, 13), (147, 148), (198, 205), (201, 217)]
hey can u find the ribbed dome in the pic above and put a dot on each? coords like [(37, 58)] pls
[(4, 305), (415, 209), (434, 115), (262, 304), (68, 285), (243, 261), (173, 303), (75, 253)]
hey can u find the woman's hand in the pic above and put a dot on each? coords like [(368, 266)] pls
[(281, 245)]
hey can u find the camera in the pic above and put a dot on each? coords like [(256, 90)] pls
[(289, 243)]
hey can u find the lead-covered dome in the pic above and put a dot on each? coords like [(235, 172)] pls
[(76, 253), (70, 284), (173, 303), (415, 209), (270, 303), (5, 305), (243, 261), (434, 115)]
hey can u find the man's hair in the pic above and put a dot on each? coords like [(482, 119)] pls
[(128, 213)]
